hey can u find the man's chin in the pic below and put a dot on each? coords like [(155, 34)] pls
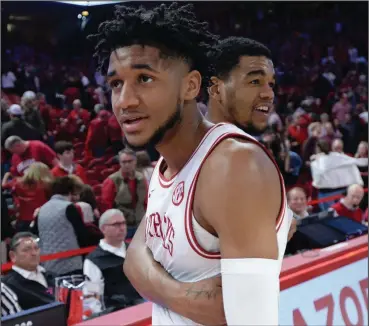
[(135, 144), (252, 128)]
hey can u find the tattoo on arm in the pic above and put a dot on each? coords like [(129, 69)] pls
[(196, 293)]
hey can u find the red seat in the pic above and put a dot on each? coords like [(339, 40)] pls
[(115, 167), (109, 152), (112, 161), (96, 161), (93, 175), (105, 173), (93, 182)]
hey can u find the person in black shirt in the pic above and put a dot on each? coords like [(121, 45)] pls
[(27, 279), (17, 126), (104, 266)]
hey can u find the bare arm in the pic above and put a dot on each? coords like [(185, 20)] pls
[(200, 301), (245, 213), (244, 216)]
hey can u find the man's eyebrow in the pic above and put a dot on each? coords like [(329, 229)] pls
[(143, 66), (257, 72), (146, 66)]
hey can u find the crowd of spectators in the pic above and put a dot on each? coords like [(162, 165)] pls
[(66, 173)]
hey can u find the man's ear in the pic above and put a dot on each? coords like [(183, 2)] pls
[(213, 89), (192, 85), (12, 256)]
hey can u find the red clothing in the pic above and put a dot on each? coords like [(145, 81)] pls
[(109, 191), (342, 210), (300, 134), (71, 94), (82, 114), (36, 152), (97, 136), (29, 198), (114, 129), (78, 170), (45, 111)]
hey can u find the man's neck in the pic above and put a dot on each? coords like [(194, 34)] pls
[(347, 204), (129, 175), (66, 166), (179, 143), (215, 114), (115, 244), (32, 270)]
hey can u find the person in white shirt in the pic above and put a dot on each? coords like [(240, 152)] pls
[(27, 279), (104, 266), (8, 80)]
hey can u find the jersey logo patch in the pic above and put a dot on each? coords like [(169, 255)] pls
[(178, 194)]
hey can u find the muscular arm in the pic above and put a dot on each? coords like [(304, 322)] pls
[(200, 301), (244, 214), (147, 276)]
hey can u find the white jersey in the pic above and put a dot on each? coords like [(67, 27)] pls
[(186, 250)]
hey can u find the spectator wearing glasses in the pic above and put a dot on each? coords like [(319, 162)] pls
[(27, 279), (126, 190), (103, 266)]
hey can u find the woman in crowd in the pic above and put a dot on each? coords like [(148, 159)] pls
[(29, 192)]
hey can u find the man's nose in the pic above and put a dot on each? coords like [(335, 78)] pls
[(128, 97), (267, 93)]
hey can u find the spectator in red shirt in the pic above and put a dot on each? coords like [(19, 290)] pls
[(80, 115), (65, 152), (30, 192), (97, 139), (27, 152), (115, 134), (349, 205), (298, 129), (126, 190)]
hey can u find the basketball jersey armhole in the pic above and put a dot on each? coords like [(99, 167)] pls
[(190, 234)]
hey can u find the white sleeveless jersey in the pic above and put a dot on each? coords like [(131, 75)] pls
[(186, 250)]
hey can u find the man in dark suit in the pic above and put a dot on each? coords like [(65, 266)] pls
[(27, 279)]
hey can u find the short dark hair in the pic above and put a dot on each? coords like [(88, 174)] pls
[(127, 151), (323, 145), (66, 185), (62, 146), (226, 54), (87, 196), (18, 237), (173, 29)]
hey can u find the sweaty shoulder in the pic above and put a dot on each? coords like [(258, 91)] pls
[(239, 189)]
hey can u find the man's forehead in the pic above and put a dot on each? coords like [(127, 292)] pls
[(28, 241), (137, 54), (116, 218), (126, 155), (249, 63)]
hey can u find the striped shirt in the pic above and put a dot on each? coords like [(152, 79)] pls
[(9, 301)]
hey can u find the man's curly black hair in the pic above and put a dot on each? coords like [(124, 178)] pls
[(173, 29), (226, 54)]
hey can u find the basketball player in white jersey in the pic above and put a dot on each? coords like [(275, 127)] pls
[(216, 200)]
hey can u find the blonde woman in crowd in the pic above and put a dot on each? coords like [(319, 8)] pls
[(29, 192)]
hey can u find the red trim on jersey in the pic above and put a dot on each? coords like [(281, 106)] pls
[(189, 204), (166, 183)]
